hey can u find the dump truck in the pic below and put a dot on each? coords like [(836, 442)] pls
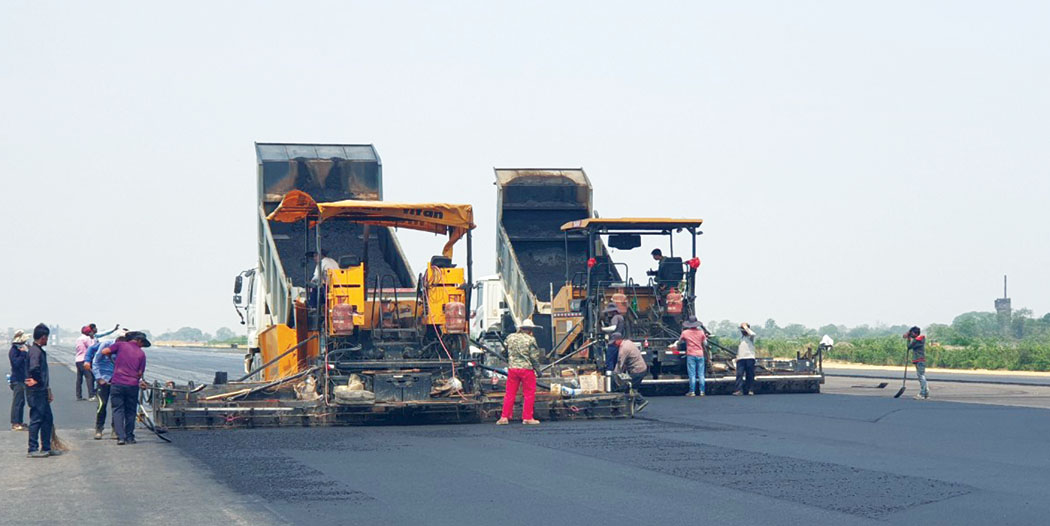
[(532, 255), (345, 333)]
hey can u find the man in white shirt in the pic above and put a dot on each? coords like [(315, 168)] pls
[(327, 264), (745, 361)]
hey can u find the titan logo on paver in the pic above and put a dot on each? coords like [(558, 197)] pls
[(433, 214)]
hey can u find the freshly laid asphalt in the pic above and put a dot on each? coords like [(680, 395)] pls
[(831, 458)]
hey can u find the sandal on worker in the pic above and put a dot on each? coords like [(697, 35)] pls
[(530, 422), (502, 422)]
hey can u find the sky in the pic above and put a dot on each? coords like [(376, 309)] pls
[(854, 163)]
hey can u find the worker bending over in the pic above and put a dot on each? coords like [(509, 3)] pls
[(629, 361)]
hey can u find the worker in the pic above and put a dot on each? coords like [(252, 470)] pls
[(39, 396), (17, 357), (102, 368), (522, 362), (326, 263), (693, 339), (917, 346), (128, 368), (745, 361), (658, 256), (629, 361), (614, 320), (85, 340)]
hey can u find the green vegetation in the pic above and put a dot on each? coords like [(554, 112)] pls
[(975, 340)]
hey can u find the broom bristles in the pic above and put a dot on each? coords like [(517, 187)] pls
[(56, 443)]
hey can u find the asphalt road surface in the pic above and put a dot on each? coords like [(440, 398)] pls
[(852, 455), (941, 376)]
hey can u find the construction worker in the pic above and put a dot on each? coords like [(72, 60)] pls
[(917, 346), (745, 361), (128, 368), (629, 361), (614, 320), (658, 256), (17, 357), (326, 262), (102, 368), (522, 362), (88, 337), (693, 339), (85, 340), (39, 396)]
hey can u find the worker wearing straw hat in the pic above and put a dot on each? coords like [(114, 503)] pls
[(522, 361), (692, 341), (17, 357)]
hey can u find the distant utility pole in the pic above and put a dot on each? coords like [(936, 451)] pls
[(1002, 305)]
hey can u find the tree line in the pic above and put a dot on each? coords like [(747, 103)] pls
[(973, 340)]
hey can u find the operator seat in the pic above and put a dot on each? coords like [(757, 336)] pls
[(441, 262), (349, 260)]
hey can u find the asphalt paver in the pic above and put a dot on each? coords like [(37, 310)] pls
[(831, 458)]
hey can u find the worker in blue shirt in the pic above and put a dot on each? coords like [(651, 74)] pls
[(102, 367)]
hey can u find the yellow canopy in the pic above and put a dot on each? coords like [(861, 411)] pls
[(439, 218), (632, 223)]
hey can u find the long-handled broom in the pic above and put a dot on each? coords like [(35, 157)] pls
[(905, 380)]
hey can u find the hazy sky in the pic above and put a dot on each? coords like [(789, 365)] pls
[(853, 162)]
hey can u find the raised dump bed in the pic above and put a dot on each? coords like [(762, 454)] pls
[(533, 255)]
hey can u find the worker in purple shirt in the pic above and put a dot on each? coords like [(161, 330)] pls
[(102, 368), (128, 368)]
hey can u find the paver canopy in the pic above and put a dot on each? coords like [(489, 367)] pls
[(439, 218)]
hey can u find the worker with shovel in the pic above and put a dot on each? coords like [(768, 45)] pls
[(522, 362), (917, 346)]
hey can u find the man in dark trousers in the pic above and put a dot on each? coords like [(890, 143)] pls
[(17, 356), (38, 394), (102, 368), (917, 346), (128, 368), (745, 362)]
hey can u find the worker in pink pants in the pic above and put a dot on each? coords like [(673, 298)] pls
[(522, 361)]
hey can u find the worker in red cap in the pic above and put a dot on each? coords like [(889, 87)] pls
[(84, 341)]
